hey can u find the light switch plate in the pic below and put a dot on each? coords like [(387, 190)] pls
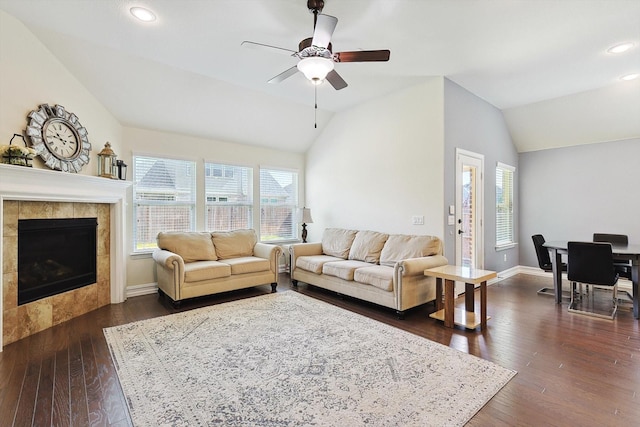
[(417, 220), (451, 220)]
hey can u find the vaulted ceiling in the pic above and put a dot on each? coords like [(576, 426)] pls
[(188, 73)]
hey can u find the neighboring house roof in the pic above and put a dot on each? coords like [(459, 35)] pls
[(270, 187), (158, 176)]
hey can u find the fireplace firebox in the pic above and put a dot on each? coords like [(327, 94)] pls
[(55, 256)]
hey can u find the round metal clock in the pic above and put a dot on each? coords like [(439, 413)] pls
[(58, 138)]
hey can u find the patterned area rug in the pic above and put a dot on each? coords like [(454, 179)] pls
[(286, 359)]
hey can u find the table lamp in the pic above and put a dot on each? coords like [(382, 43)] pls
[(305, 218)]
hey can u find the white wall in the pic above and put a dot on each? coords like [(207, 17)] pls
[(30, 76), (140, 269), (475, 125), (571, 193), (378, 164)]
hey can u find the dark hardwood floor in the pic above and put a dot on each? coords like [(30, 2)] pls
[(572, 369)]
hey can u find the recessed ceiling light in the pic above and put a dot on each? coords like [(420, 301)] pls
[(620, 48), (143, 14), (629, 77)]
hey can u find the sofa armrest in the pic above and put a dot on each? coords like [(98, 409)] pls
[(270, 252), (303, 249), (168, 259), (306, 249), (417, 266), (170, 272)]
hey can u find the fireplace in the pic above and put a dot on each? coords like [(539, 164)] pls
[(55, 256), (33, 193)]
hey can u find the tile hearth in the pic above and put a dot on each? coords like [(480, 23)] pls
[(27, 319)]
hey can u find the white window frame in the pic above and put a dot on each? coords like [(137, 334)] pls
[(183, 196), (505, 212), (268, 201), (224, 200)]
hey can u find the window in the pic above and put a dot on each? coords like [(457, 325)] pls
[(278, 204), (504, 205), (229, 196), (164, 198)]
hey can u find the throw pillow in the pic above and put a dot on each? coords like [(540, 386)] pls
[(401, 246), (337, 242), (191, 246), (367, 246), (234, 244)]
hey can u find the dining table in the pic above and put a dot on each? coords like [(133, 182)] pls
[(630, 252)]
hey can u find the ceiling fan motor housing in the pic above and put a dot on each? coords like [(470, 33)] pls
[(315, 6), (305, 49)]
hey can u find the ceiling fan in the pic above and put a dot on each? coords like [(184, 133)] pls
[(315, 53)]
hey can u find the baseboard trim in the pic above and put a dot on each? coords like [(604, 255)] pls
[(144, 289), (624, 284)]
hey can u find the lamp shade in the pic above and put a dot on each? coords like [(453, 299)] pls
[(305, 216), (315, 68)]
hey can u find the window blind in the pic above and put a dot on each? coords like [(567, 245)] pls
[(228, 197), (164, 198), (504, 205), (278, 204)]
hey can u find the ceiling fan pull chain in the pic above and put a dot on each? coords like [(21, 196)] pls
[(315, 111)]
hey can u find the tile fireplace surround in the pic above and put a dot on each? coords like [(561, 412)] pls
[(59, 194)]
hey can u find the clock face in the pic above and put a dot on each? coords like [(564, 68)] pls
[(62, 140), (58, 138)]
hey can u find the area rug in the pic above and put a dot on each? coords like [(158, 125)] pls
[(286, 359)]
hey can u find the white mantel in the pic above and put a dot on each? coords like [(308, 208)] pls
[(25, 183)]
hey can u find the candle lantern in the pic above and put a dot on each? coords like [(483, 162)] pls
[(107, 159)]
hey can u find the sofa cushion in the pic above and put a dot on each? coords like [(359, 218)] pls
[(205, 270), (367, 246), (248, 264), (191, 246), (401, 246), (337, 242), (343, 269), (314, 263), (379, 276), (234, 244)]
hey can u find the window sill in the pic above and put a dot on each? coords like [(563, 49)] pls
[(506, 246), (141, 255)]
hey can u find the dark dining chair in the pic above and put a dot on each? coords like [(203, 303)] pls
[(622, 266), (544, 262), (591, 264)]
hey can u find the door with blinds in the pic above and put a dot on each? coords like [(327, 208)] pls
[(469, 209)]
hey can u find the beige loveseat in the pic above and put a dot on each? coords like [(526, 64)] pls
[(193, 264), (385, 269)]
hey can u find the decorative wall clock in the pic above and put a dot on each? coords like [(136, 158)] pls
[(58, 138)]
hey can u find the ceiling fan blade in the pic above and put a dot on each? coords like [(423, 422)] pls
[(362, 56), (324, 30), (284, 75), (261, 46), (336, 81)]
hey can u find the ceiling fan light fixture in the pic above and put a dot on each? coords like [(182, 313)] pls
[(315, 68)]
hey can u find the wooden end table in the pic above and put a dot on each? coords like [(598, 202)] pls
[(467, 318)]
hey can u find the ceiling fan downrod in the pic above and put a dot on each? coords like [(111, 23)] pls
[(315, 7)]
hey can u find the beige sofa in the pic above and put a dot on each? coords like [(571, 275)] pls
[(193, 264), (385, 269)]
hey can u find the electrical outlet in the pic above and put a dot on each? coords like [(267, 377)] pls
[(417, 220), (505, 257)]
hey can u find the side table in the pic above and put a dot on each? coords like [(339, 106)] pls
[(467, 318)]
